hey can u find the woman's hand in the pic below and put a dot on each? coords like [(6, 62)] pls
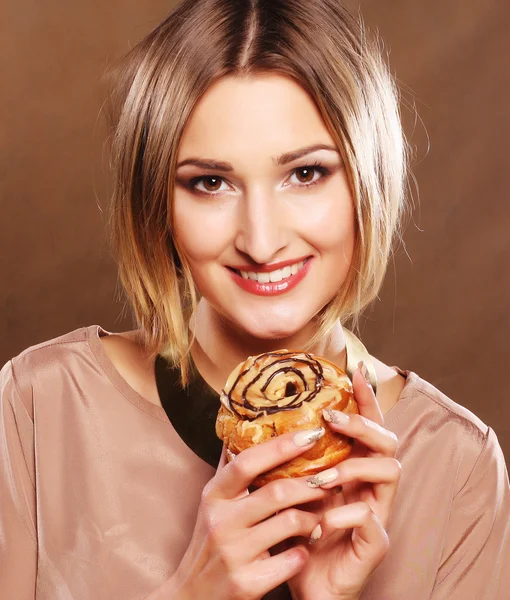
[(228, 557), (353, 523)]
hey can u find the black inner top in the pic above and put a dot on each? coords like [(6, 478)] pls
[(192, 410)]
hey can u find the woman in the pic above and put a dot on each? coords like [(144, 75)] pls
[(259, 171)]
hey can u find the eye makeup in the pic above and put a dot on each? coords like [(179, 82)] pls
[(317, 167)]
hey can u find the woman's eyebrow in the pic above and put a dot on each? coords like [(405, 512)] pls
[(207, 163), (283, 159), (289, 157)]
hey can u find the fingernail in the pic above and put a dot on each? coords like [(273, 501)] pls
[(319, 479), (308, 436), (335, 416), (316, 535), (364, 371), (230, 455)]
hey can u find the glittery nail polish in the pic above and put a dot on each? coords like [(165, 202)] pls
[(319, 479), (335, 416), (364, 371), (316, 535), (308, 436)]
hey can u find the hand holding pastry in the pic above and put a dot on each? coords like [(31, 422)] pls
[(228, 557), (351, 538)]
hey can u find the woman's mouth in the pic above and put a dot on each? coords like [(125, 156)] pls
[(273, 282)]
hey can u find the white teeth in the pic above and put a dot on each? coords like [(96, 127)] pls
[(273, 276)]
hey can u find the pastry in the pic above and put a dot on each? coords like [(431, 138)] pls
[(277, 392)]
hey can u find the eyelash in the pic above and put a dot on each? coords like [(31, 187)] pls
[(317, 166)]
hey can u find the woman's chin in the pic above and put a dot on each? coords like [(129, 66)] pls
[(266, 325), (268, 331)]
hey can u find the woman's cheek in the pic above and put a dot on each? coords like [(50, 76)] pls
[(202, 232), (329, 225)]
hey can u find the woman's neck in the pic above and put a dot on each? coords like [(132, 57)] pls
[(219, 347)]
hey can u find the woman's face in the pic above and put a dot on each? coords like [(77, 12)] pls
[(263, 210)]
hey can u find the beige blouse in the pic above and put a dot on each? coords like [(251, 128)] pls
[(99, 494)]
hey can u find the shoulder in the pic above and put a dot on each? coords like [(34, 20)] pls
[(81, 357), (49, 364), (39, 367), (416, 407), (58, 350), (437, 430), (57, 346), (456, 416)]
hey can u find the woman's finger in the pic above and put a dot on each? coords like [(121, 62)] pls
[(372, 435), (285, 525), (366, 470), (238, 474), (369, 535), (364, 395), (273, 497), (384, 473), (255, 579)]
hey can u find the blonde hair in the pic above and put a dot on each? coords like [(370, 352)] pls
[(315, 42)]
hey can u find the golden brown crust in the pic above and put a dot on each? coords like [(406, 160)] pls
[(333, 390)]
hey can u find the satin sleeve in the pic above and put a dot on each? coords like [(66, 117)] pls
[(18, 530), (476, 552)]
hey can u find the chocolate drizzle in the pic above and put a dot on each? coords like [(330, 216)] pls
[(304, 395), (291, 389)]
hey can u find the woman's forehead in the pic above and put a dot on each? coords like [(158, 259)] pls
[(265, 113)]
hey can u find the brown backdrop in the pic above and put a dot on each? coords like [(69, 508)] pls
[(443, 309)]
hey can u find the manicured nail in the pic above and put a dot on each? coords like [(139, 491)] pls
[(364, 371), (335, 416), (319, 479), (308, 436), (230, 455), (316, 535)]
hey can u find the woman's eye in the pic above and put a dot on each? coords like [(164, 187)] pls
[(308, 175), (302, 177), (209, 184)]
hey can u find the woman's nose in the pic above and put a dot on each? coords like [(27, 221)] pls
[(261, 229)]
